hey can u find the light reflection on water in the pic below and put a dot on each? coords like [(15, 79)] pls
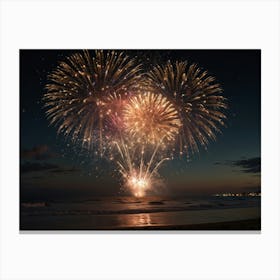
[(135, 220)]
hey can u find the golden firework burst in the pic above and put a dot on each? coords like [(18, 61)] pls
[(197, 97), (150, 118), (80, 89)]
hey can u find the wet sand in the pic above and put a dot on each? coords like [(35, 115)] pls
[(252, 224)]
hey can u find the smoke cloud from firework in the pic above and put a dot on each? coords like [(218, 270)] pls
[(108, 103)]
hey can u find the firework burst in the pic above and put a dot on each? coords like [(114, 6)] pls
[(81, 89), (150, 118), (136, 118), (196, 96)]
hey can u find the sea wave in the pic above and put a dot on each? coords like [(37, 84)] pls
[(41, 211)]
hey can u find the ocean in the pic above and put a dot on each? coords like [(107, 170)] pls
[(111, 213)]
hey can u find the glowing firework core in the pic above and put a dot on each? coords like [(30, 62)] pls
[(138, 185)]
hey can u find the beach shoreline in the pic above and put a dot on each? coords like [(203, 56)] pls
[(251, 224)]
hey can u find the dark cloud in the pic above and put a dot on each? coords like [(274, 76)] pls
[(28, 167), (36, 166), (65, 170), (251, 165), (37, 177), (40, 152)]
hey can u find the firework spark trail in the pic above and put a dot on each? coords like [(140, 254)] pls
[(151, 123), (139, 174), (81, 90), (151, 160), (197, 97)]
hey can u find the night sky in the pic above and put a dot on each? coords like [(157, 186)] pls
[(53, 169)]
